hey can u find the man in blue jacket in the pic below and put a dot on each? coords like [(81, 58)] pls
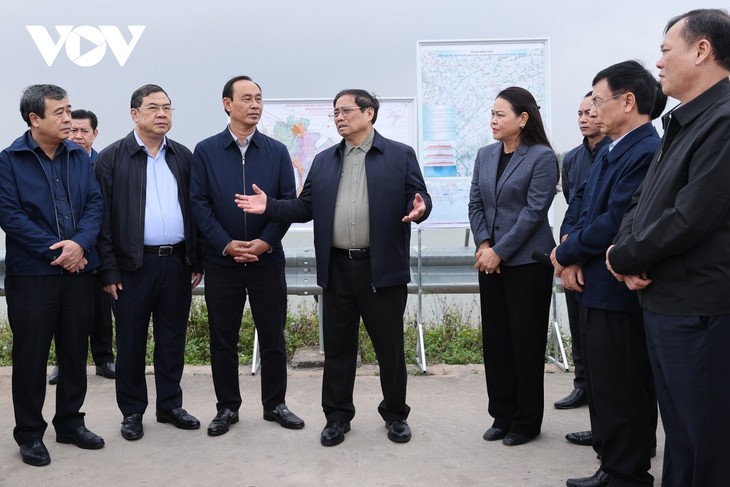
[(622, 401), (362, 194), (243, 253), (51, 211)]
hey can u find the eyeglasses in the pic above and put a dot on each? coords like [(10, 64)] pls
[(83, 131), (345, 111), (166, 109), (596, 103)]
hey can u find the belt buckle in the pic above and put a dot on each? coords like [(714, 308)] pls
[(349, 253), (164, 250)]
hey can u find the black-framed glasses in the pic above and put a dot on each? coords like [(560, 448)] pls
[(596, 103), (345, 111)]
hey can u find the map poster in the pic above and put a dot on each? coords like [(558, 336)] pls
[(305, 127), (457, 84)]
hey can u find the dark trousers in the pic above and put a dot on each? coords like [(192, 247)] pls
[(100, 338), (690, 357), (160, 289), (571, 302), (350, 295), (38, 307), (621, 391), (226, 288), (515, 315)]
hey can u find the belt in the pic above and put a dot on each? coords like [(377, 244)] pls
[(352, 253), (164, 250)]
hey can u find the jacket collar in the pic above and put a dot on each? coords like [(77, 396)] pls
[(378, 143), (26, 143), (632, 138), (684, 114)]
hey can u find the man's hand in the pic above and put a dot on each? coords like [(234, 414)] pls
[(247, 251), (572, 278), (554, 261), (113, 289), (255, 203), (419, 208), (637, 282), (72, 256), (195, 279)]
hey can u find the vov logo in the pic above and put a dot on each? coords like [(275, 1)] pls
[(94, 40)]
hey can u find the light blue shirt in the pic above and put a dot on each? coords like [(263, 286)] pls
[(163, 216)]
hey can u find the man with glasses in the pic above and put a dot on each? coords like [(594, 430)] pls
[(149, 262), (673, 248), (363, 195), (243, 253), (621, 397), (83, 132)]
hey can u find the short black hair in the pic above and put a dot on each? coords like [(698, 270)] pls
[(82, 114), (228, 87), (34, 97), (363, 99), (143, 91), (712, 24), (632, 76)]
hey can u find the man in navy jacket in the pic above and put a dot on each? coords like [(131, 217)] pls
[(622, 401), (243, 253), (51, 211), (362, 195)]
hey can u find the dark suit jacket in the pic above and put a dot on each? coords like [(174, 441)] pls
[(612, 181), (393, 179), (677, 228), (512, 212)]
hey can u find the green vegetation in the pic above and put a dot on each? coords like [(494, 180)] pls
[(454, 338)]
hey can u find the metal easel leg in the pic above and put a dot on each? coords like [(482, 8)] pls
[(555, 338), (256, 358), (420, 343)]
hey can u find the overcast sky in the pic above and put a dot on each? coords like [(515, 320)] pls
[(311, 49)]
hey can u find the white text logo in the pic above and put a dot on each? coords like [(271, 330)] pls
[(95, 42)]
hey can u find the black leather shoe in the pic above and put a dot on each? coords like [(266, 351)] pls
[(35, 453), (598, 479), (493, 434), (284, 417), (106, 370), (222, 422), (179, 418), (575, 399), (584, 438), (398, 431), (514, 439), (132, 427), (81, 437), (53, 376), (334, 433)]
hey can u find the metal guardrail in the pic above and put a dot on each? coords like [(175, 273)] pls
[(433, 271)]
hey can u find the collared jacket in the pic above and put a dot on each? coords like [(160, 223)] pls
[(122, 173), (393, 179), (512, 213), (576, 165), (677, 228), (27, 210), (612, 181), (218, 173)]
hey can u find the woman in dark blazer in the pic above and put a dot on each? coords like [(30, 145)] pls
[(513, 186)]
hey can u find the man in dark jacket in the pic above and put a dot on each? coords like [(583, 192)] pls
[(362, 195), (243, 253), (674, 247), (148, 251), (50, 210), (576, 164), (622, 401)]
